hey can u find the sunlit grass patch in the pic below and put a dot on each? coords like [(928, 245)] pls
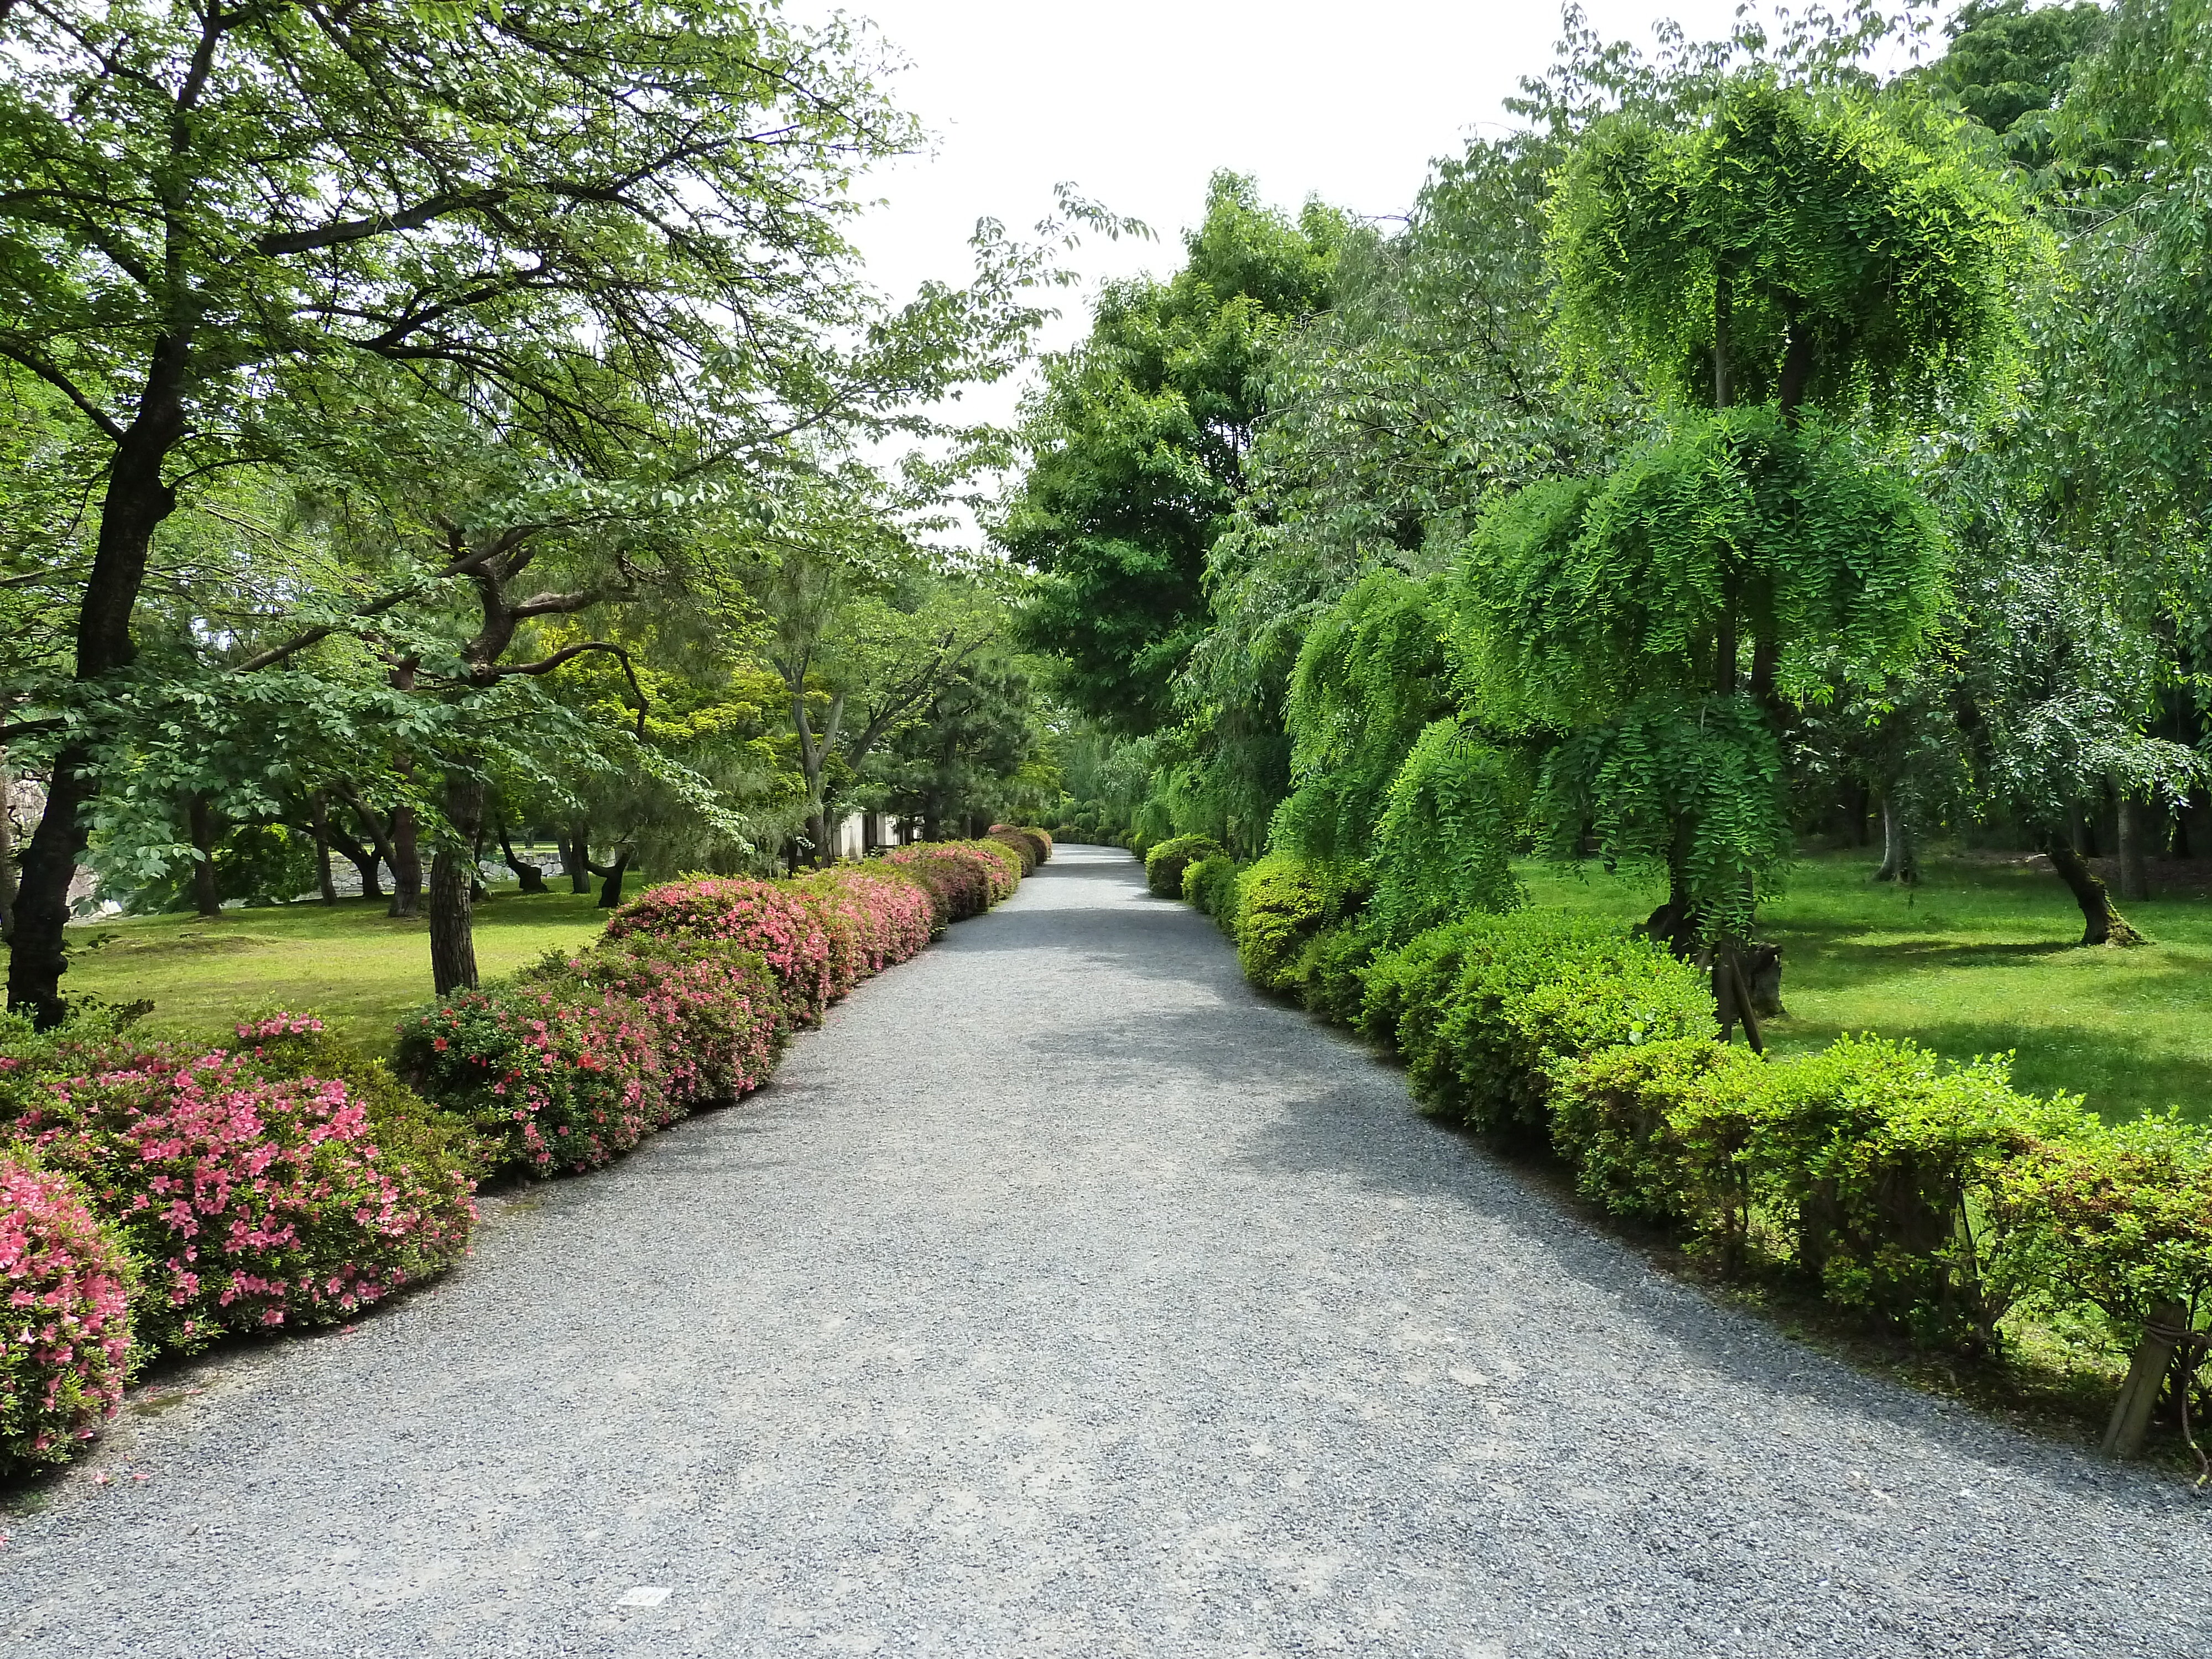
[(1981, 957), (358, 967)]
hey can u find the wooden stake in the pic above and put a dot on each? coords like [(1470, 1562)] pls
[(2126, 1435)]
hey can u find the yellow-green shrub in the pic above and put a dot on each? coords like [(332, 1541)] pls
[(1165, 863), (1211, 885), (1282, 901)]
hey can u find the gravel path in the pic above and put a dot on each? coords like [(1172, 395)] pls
[(1061, 1297)]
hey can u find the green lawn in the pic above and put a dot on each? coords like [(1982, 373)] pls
[(351, 964), (1980, 958)]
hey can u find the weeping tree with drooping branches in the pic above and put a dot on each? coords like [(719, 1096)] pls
[(1806, 278)]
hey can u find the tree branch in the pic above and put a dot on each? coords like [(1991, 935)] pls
[(569, 653), (275, 244), (61, 382), (322, 631)]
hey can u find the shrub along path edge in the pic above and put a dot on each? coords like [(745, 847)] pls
[(1062, 1296)]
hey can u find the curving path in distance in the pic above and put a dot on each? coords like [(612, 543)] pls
[(1062, 1298)]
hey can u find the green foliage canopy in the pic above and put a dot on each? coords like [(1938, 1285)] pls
[(1793, 246)]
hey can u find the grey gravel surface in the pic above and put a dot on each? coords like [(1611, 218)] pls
[(1063, 1297)]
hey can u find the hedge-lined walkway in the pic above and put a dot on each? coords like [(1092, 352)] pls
[(1061, 1297)]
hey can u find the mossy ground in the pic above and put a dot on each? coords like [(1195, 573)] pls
[(1981, 957)]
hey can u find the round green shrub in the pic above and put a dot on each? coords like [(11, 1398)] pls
[(1165, 863), (1282, 901), (1210, 885)]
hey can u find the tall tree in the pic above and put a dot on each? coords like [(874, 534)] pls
[(1799, 271), (200, 204), (1137, 441)]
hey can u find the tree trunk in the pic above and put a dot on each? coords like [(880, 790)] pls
[(931, 823), (478, 893), (363, 859), (2081, 831), (136, 502), (38, 957), (453, 921), (611, 887), (2101, 923), (320, 808), (406, 864), (1858, 801), (2135, 870), (206, 897), (378, 842), (7, 849), (576, 856), (527, 875), (1900, 854), (581, 857)]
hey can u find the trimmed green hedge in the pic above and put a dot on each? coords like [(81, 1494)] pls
[(1281, 903), (1484, 1011), (1165, 863), (1930, 1197), (1210, 885)]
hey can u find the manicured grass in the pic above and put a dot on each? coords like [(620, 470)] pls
[(1981, 958), (353, 964)]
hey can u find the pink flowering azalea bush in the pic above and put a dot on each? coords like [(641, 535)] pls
[(713, 1010), (253, 1196), (1036, 842), (969, 876), (557, 1075), (65, 1320), (1031, 846), (760, 915), (873, 920)]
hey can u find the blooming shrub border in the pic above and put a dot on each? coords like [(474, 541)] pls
[(285, 1181), (65, 1322)]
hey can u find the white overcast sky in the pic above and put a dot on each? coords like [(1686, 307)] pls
[(1137, 102)]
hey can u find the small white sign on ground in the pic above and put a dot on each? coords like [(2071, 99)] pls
[(645, 1595)]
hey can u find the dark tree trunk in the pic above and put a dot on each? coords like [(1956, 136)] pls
[(379, 842), (2081, 833), (527, 875), (931, 823), (2101, 923), (2134, 869), (576, 856), (363, 859), (453, 922), (136, 502), (406, 864), (207, 899), (1900, 855), (37, 958), (7, 850), (1766, 660), (478, 893), (610, 886), (321, 807), (1858, 802)]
